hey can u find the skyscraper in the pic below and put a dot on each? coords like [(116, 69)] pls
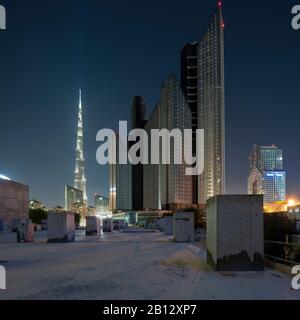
[(176, 186), (266, 173), (166, 186), (202, 81), (189, 85), (120, 176), (101, 203), (266, 158), (151, 176), (72, 196), (138, 122), (79, 174)]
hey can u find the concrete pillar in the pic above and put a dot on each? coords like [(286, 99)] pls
[(235, 232)]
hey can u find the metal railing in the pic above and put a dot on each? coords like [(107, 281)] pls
[(288, 249)]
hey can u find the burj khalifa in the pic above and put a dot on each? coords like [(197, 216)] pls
[(79, 174)]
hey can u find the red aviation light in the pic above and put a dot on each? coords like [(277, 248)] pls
[(220, 3)]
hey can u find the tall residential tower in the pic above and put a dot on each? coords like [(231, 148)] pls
[(202, 81), (79, 174), (166, 186)]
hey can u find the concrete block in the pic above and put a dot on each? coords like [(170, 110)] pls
[(119, 224), (44, 224), (25, 231), (160, 224), (108, 225), (184, 227), (92, 227), (61, 227), (235, 232), (168, 225)]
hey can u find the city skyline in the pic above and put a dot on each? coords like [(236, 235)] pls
[(253, 105)]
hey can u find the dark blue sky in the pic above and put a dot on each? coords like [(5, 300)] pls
[(114, 50)]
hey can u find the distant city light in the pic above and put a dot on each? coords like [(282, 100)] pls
[(3, 177), (291, 203)]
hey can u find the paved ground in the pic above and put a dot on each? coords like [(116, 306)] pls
[(127, 266)]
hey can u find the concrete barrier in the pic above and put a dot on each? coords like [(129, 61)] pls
[(61, 227)]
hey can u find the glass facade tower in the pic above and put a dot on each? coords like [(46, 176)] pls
[(120, 176), (266, 173)]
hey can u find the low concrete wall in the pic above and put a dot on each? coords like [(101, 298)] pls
[(235, 236), (61, 227)]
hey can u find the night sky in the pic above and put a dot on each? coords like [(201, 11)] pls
[(114, 50)]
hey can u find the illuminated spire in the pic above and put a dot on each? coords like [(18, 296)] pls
[(222, 23), (79, 175), (80, 105)]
